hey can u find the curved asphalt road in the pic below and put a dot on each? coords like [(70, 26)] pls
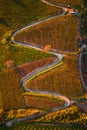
[(42, 70)]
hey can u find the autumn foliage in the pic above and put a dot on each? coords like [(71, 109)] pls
[(65, 79), (59, 33)]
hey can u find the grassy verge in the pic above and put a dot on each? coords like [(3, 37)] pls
[(64, 80), (60, 33)]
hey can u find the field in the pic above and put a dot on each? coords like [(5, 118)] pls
[(76, 3), (84, 18), (18, 55), (85, 24), (64, 80), (71, 115), (14, 15), (20, 113), (31, 66), (33, 126), (60, 33), (44, 103), (11, 90), (84, 67), (10, 80)]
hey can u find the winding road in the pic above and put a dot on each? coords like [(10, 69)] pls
[(42, 70)]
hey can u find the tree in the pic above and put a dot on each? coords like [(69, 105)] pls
[(47, 47)]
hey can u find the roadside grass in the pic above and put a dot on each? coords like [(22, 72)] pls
[(60, 33), (64, 80), (72, 115), (11, 90)]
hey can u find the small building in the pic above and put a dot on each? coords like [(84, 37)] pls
[(72, 11)]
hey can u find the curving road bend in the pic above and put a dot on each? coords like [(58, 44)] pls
[(80, 68), (42, 70)]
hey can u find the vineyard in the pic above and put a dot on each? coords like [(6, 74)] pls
[(65, 79), (44, 103), (84, 67), (32, 126), (18, 55), (14, 99), (20, 14), (37, 99), (29, 67), (71, 115), (11, 90), (84, 18), (76, 3), (53, 32)]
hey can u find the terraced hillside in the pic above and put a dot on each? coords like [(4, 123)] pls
[(84, 18), (76, 3), (31, 126), (10, 84), (69, 115), (11, 55), (59, 79), (65, 79), (11, 90), (13, 15), (60, 33)]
